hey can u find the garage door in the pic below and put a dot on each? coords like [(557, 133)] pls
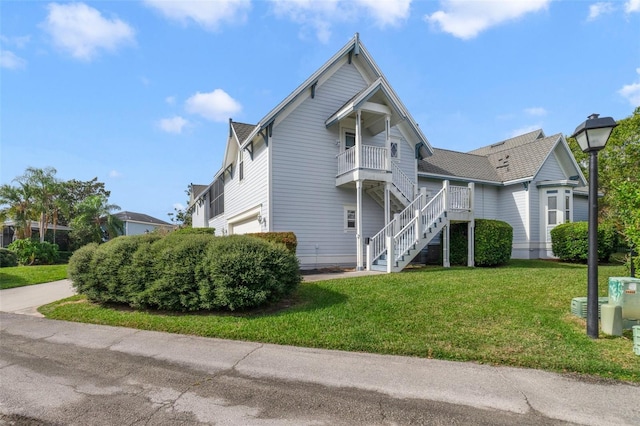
[(247, 226)]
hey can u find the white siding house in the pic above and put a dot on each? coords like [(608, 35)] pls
[(342, 164)]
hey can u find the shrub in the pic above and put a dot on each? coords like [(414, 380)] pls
[(197, 231), (241, 272), (8, 258), (287, 238), (185, 271), (30, 252), (570, 241), (80, 271), (493, 240)]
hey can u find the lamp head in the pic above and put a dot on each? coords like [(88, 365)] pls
[(593, 134)]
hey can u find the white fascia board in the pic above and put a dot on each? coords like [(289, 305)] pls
[(305, 85), (515, 181), (562, 182)]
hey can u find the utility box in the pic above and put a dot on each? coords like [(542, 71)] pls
[(579, 306), (625, 292), (636, 339)]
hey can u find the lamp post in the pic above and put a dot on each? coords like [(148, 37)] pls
[(592, 136)]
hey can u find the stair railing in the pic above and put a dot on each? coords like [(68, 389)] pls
[(401, 181)]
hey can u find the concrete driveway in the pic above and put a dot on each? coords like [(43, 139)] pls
[(27, 299)]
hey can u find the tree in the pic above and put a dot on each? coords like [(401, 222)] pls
[(182, 216), (17, 204), (93, 221), (76, 191), (45, 191)]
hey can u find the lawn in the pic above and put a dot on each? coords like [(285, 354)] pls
[(19, 276), (516, 315)]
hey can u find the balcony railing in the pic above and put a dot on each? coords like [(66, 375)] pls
[(371, 157)]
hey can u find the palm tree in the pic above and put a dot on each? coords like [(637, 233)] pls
[(17, 203), (92, 214), (46, 187)]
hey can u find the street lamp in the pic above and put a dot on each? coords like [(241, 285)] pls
[(592, 136)]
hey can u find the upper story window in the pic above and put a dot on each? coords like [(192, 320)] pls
[(349, 140), (216, 198), (241, 164)]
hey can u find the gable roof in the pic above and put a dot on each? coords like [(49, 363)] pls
[(242, 130), (452, 164), (353, 48), (126, 216), (514, 159), (509, 143)]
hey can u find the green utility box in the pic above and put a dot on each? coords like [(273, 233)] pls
[(579, 306), (636, 339), (625, 292)]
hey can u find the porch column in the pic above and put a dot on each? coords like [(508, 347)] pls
[(358, 146), (387, 129), (387, 204), (359, 239), (445, 246), (471, 237)]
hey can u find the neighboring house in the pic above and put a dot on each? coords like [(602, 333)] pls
[(8, 234), (342, 164), (139, 223), (530, 181)]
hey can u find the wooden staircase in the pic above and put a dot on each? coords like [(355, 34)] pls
[(415, 226)]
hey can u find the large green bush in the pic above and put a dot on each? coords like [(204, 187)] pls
[(493, 241), (570, 241), (287, 238), (8, 258), (31, 252), (185, 271)]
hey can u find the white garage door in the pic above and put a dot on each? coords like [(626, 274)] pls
[(247, 226)]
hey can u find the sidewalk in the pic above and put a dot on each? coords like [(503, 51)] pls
[(481, 386), (27, 299)]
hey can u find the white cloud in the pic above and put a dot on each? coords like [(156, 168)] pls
[(319, 16), (82, 31), (20, 42), (525, 129), (171, 100), (173, 124), (632, 6), (537, 111), (11, 61), (598, 9), (214, 106), (115, 174), (209, 14), (632, 92), (466, 19)]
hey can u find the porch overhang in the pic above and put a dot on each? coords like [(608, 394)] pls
[(363, 175)]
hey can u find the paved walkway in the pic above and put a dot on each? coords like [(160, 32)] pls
[(481, 386)]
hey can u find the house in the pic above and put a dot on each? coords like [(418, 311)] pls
[(530, 181), (139, 223), (342, 164), (58, 233)]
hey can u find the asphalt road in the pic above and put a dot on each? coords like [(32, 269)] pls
[(53, 383)]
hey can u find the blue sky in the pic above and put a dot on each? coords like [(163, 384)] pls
[(139, 93)]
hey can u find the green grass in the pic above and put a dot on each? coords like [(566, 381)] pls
[(19, 276), (517, 315)]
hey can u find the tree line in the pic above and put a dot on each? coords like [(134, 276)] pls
[(39, 196)]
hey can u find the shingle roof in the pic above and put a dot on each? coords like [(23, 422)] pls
[(242, 130), (452, 163), (509, 160), (509, 143), (522, 160), (139, 217)]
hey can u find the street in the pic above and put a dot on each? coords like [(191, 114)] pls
[(55, 383)]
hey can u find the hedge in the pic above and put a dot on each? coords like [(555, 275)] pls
[(287, 238), (492, 245), (185, 271), (570, 241), (8, 258), (30, 252)]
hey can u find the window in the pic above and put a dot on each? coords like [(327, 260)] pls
[(349, 140), (552, 209), (241, 164), (567, 207), (216, 198), (349, 218), (394, 150)]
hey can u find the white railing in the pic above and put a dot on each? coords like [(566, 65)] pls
[(405, 239), (433, 210), (346, 161), (401, 181), (459, 197), (373, 157), (406, 215), (378, 243)]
